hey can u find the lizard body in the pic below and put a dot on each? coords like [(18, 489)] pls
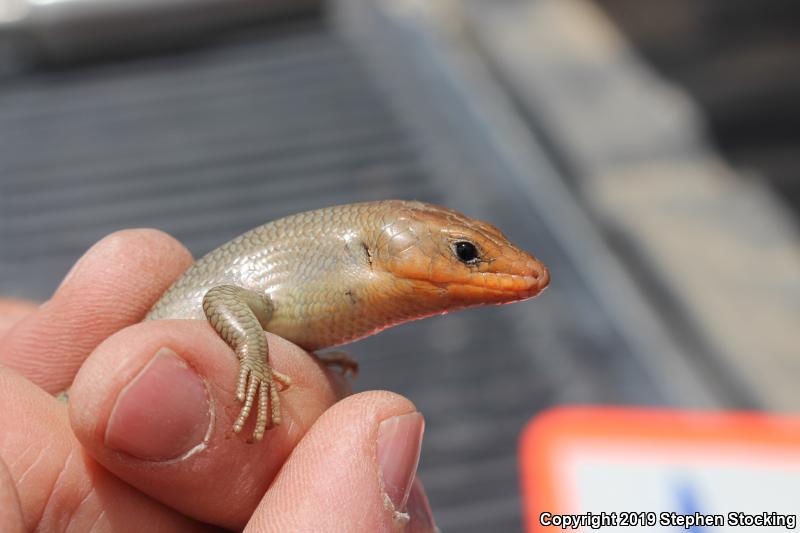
[(330, 276)]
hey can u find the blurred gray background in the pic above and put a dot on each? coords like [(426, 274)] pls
[(590, 134)]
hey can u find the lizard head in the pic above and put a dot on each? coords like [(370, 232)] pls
[(457, 261)]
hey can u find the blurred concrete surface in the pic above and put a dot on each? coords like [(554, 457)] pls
[(719, 250), (737, 59)]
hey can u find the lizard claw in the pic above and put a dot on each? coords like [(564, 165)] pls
[(255, 381), (282, 379), (241, 384)]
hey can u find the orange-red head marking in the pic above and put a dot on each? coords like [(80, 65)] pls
[(455, 260)]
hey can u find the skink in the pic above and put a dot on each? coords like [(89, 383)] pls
[(330, 276)]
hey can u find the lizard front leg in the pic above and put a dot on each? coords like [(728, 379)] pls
[(239, 316)]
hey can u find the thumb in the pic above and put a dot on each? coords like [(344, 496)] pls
[(353, 471)]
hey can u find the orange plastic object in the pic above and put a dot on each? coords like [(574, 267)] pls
[(582, 460)]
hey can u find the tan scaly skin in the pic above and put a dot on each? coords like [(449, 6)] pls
[(330, 276)]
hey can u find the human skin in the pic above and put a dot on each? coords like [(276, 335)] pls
[(106, 462)]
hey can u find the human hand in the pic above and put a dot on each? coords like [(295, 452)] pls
[(153, 403)]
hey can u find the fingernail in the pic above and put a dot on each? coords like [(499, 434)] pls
[(162, 413), (419, 510), (399, 441)]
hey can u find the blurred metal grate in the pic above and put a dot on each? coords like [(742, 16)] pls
[(202, 145)]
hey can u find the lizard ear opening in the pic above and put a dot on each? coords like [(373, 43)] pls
[(367, 253)]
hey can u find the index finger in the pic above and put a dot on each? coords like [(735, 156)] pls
[(12, 311), (112, 286)]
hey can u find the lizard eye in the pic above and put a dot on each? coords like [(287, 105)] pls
[(466, 251)]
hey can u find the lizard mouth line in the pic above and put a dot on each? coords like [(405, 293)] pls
[(498, 283)]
